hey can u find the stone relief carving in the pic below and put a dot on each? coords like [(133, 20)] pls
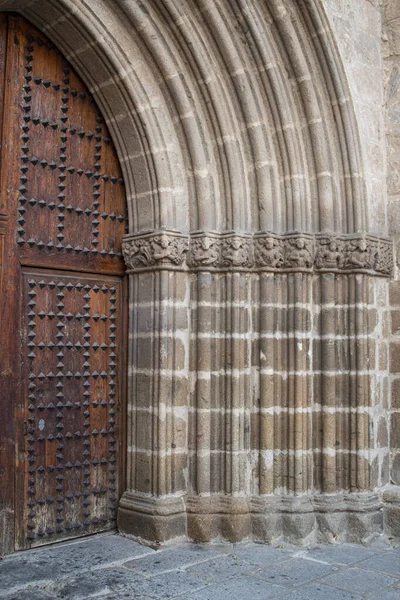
[(384, 258), (330, 254), (269, 252), (299, 253), (261, 251), (361, 255), (205, 251), (237, 252), (162, 249)]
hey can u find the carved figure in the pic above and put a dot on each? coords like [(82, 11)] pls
[(360, 256), (147, 252), (269, 253), (136, 253), (236, 252), (168, 249), (205, 252), (298, 255), (330, 256)]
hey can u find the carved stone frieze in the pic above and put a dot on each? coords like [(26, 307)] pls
[(263, 251)]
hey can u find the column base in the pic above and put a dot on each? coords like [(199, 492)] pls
[(304, 520), (152, 520), (391, 512)]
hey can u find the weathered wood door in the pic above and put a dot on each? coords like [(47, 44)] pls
[(62, 216)]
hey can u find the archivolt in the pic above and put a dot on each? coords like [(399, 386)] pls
[(226, 115)]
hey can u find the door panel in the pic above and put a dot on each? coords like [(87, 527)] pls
[(71, 200), (63, 214), (71, 387)]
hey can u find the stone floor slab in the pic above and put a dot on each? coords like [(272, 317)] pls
[(359, 580), (43, 565), (386, 562), (387, 595), (258, 554), (239, 588), (319, 591), (30, 594), (344, 554), (294, 572), (118, 581), (95, 551), (16, 575), (101, 582), (172, 558), (220, 568)]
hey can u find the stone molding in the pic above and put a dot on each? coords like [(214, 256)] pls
[(168, 249), (308, 518)]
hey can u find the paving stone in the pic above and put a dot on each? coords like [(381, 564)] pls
[(387, 595), (18, 574), (43, 565), (221, 568), (172, 558), (240, 588), (319, 591), (387, 562), (101, 582), (294, 572), (345, 554), (258, 554), (30, 594), (120, 580), (359, 580), (96, 551), (174, 583)]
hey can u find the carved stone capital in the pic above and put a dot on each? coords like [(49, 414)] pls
[(164, 249), (237, 251), (205, 250)]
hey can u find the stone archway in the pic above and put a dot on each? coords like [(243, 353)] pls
[(255, 284)]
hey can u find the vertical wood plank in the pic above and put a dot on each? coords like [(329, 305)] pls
[(10, 79)]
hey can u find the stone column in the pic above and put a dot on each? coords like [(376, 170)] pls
[(152, 507), (220, 466)]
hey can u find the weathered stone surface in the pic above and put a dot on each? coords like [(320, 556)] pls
[(359, 580), (294, 572), (226, 571)]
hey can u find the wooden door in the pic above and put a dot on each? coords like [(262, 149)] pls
[(62, 217)]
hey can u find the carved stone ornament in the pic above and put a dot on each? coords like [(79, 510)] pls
[(205, 251), (237, 252), (299, 253), (354, 253), (264, 251), (163, 249)]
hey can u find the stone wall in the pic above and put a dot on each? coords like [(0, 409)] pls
[(391, 54), (357, 25)]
